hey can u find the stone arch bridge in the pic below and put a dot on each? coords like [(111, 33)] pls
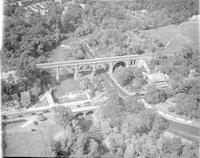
[(83, 111), (113, 62)]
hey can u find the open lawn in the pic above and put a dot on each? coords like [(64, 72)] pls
[(60, 52), (68, 85), (28, 144), (67, 99), (24, 142), (188, 33)]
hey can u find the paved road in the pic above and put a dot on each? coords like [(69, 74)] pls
[(110, 84), (185, 131)]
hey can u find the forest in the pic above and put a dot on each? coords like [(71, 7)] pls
[(28, 36)]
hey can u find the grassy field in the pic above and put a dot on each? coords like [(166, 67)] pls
[(77, 98), (59, 53), (188, 33), (67, 85), (24, 142), (28, 144)]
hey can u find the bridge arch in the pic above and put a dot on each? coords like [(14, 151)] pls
[(78, 115), (89, 113), (120, 63), (85, 67)]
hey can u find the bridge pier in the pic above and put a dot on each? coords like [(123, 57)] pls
[(128, 63), (93, 71), (138, 63), (57, 75), (95, 120), (110, 70), (76, 72)]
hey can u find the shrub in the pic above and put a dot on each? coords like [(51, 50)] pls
[(179, 110), (63, 116), (155, 96), (35, 122), (41, 118), (45, 111), (40, 114), (171, 109), (188, 106), (4, 117), (160, 44)]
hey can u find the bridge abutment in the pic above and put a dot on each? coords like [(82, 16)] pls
[(128, 63), (57, 75), (110, 70), (93, 71), (76, 72)]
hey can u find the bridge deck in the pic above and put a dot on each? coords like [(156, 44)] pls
[(82, 109), (91, 61)]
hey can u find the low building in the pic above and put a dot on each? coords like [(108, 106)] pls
[(25, 99), (160, 80), (41, 8), (9, 77)]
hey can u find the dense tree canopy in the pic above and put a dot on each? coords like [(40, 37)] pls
[(72, 17), (155, 95), (130, 76), (139, 132), (63, 116), (27, 39), (177, 62)]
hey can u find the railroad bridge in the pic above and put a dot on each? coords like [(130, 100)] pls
[(93, 64)]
